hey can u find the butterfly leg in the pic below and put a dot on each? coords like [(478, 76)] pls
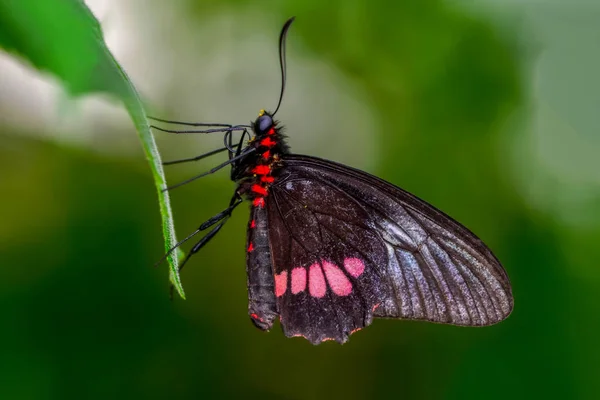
[(220, 219), (205, 239), (235, 201), (215, 169), (234, 171), (196, 158), (228, 142)]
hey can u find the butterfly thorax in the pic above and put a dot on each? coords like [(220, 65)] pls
[(259, 170)]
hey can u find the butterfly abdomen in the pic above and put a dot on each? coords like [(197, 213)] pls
[(262, 303)]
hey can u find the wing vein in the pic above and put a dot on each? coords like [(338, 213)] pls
[(494, 300), (438, 285), (471, 309)]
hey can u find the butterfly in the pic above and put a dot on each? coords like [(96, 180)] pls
[(331, 247)]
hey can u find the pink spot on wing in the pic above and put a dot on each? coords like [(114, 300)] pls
[(280, 283), (338, 282), (298, 280), (316, 281), (354, 266)]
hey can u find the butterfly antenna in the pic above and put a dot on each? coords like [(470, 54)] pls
[(282, 37)]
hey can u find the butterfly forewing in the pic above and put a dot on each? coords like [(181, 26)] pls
[(347, 246)]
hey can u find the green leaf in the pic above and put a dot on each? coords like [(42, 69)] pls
[(64, 38)]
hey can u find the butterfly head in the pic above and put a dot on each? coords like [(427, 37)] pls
[(263, 124), (268, 135)]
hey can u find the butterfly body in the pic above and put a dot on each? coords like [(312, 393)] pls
[(254, 175)]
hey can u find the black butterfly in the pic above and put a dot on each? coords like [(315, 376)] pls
[(330, 247)]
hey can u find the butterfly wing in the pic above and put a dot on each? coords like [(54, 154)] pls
[(346, 246)]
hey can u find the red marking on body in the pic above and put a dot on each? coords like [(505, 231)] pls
[(259, 202), (338, 282), (355, 330), (253, 224), (261, 170), (280, 283), (271, 131), (268, 142), (259, 189), (250, 248), (298, 280), (316, 281), (267, 179), (375, 307), (354, 266), (255, 316), (266, 155)]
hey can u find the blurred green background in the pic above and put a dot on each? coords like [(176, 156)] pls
[(489, 112)]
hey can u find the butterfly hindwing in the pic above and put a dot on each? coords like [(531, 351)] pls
[(332, 282), (347, 246)]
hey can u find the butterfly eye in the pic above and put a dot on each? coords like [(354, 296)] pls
[(264, 123)]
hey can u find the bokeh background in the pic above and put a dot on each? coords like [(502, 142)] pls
[(488, 111)]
